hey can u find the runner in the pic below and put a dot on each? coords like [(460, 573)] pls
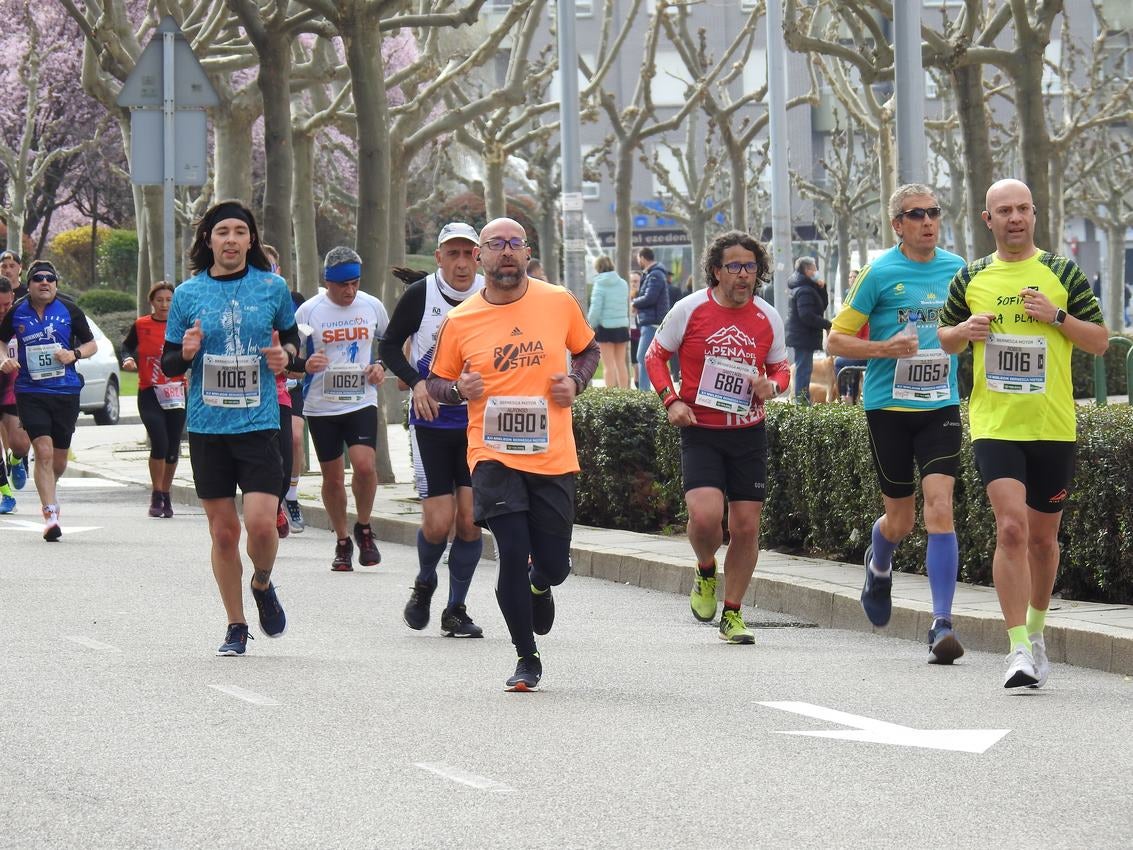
[(733, 358), (912, 406), (504, 351), (53, 334), (232, 323), (14, 450), (438, 432), (161, 399), (341, 398), (1023, 310)]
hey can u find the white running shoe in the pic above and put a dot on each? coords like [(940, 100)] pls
[(1042, 663), (1021, 671)]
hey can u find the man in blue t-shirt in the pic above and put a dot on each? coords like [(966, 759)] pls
[(53, 334), (911, 403), (233, 324)]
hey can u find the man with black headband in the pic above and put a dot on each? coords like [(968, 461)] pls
[(341, 398), (232, 323)]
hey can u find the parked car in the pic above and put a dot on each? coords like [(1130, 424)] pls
[(99, 395)]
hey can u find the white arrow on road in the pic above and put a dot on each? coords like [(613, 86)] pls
[(28, 525), (879, 732)]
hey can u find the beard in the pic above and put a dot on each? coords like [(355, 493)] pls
[(506, 280)]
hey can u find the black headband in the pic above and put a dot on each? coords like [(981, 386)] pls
[(226, 211)]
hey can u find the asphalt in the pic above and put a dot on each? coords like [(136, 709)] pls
[(811, 590)]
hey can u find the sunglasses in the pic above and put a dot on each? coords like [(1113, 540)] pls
[(45, 277), (919, 213)]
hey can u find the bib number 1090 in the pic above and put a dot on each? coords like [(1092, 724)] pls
[(520, 422)]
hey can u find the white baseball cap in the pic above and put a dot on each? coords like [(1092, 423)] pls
[(458, 230)]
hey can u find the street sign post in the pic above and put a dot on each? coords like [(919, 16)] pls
[(166, 93)]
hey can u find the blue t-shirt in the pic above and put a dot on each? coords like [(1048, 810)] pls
[(63, 325), (890, 293), (237, 318)]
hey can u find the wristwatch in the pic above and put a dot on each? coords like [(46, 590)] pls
[(1059, 317), (78, 354), (456, 392)]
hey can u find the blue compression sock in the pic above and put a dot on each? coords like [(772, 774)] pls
[(462, 560), (428, 556), (943, 563), (882, 550)]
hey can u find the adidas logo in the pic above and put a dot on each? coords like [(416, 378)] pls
[(516, 331)]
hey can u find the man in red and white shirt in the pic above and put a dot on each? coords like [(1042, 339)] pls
[(730, 344)]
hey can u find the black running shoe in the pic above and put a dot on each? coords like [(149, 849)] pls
[(235, 640), (343, 556), (368, 554), (455, 622), (273, 622), (542, 611), (155, 504), (416, 613), (528, 672)]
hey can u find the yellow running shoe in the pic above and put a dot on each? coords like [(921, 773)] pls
[(734, 630), (702, 600)]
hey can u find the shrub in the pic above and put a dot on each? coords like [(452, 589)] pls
[(118, 260), (116, 326), (71, 253), (98, 302)]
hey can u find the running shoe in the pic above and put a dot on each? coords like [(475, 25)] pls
[(542, 611), (877, 594), (1021, 672), (734, 630), (943, 647), (235, 640), (7, 504), (528, 672), (702, 600), (273, 622), (166, 506), (368, 554), (51, 529), (18, 471), (295, 516), (1042, 663), (282, 528), (416, 614), (343, 556), (455, 622), (156, 508)]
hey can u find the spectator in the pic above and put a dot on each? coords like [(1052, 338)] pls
[(806, 321), (651, 304), (535, 270), (634, 330), (609, 316)]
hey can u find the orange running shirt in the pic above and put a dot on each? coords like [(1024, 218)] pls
[(516, 348)]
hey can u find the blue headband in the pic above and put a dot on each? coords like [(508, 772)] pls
[(343, 272)]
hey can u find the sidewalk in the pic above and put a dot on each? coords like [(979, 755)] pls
[(826, 593)]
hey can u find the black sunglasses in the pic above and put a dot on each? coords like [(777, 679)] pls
[(44, 276), (919, 213)]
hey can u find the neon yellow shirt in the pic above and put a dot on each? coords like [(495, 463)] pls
[(1022, 388)]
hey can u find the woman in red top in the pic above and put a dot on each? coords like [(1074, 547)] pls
[(161, 400)]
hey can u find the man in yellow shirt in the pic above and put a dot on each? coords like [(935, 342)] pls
[(1023, 310), (504, 351)]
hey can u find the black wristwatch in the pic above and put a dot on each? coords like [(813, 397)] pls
[(1059, 317), (78, 354), (456, 392)]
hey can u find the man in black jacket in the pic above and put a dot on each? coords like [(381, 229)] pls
[(651, 305), (806, 320)]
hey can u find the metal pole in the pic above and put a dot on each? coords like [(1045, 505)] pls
[(777, 130), (912, 147), (168, 110), (574, 237)]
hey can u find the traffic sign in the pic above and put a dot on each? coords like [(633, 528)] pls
[(144, 86)]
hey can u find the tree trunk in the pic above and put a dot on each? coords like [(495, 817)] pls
[(698, 236), (1113, 283), (275, 88), (887, 165), (153, 203), (94, 237), (972, 111), (232, 153), (1057, 201), (623, 212), (844, 261), (495, 199), (17, 210), (1034, 140), (547, 225), (307, 261), (738, 185)]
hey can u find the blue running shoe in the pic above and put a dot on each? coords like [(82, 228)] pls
[(877, 594), (273, 622), (235, 640), (7, 504), (18, 472), (943, 647)]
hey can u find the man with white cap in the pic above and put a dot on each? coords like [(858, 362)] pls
[(438, 432)]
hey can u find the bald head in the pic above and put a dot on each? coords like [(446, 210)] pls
[(1009, 187), (503, 254), (502, 227), (1010, 216)]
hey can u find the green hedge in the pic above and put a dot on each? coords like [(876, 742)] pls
[(99, 302), (822, 495)]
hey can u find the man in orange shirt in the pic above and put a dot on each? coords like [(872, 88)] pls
[(504, 351)]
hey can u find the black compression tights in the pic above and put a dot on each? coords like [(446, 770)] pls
[(516, 538)]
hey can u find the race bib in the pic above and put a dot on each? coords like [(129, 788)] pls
[(1015, 363), (230, 381), (42, 363), (923, 377), (727, 385), (170, 396), (344, 382), (516, 424)]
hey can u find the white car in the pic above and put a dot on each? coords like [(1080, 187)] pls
[(99, 395)]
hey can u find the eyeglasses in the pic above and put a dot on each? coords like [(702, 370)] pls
[(45, 277), (515, 243), (736, 268), (919, 213)]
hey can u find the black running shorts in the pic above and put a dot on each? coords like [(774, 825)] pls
[(733, 460), (440, 460), (49, 415), (899, 438), (547, 499), (1046, 468), (329, 433), (296, 393), (223, 462)]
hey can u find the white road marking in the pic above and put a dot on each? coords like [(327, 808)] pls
[(456, 774), (244, 694), (874, 731), (85, 483), (91, 643), (28, 525)]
